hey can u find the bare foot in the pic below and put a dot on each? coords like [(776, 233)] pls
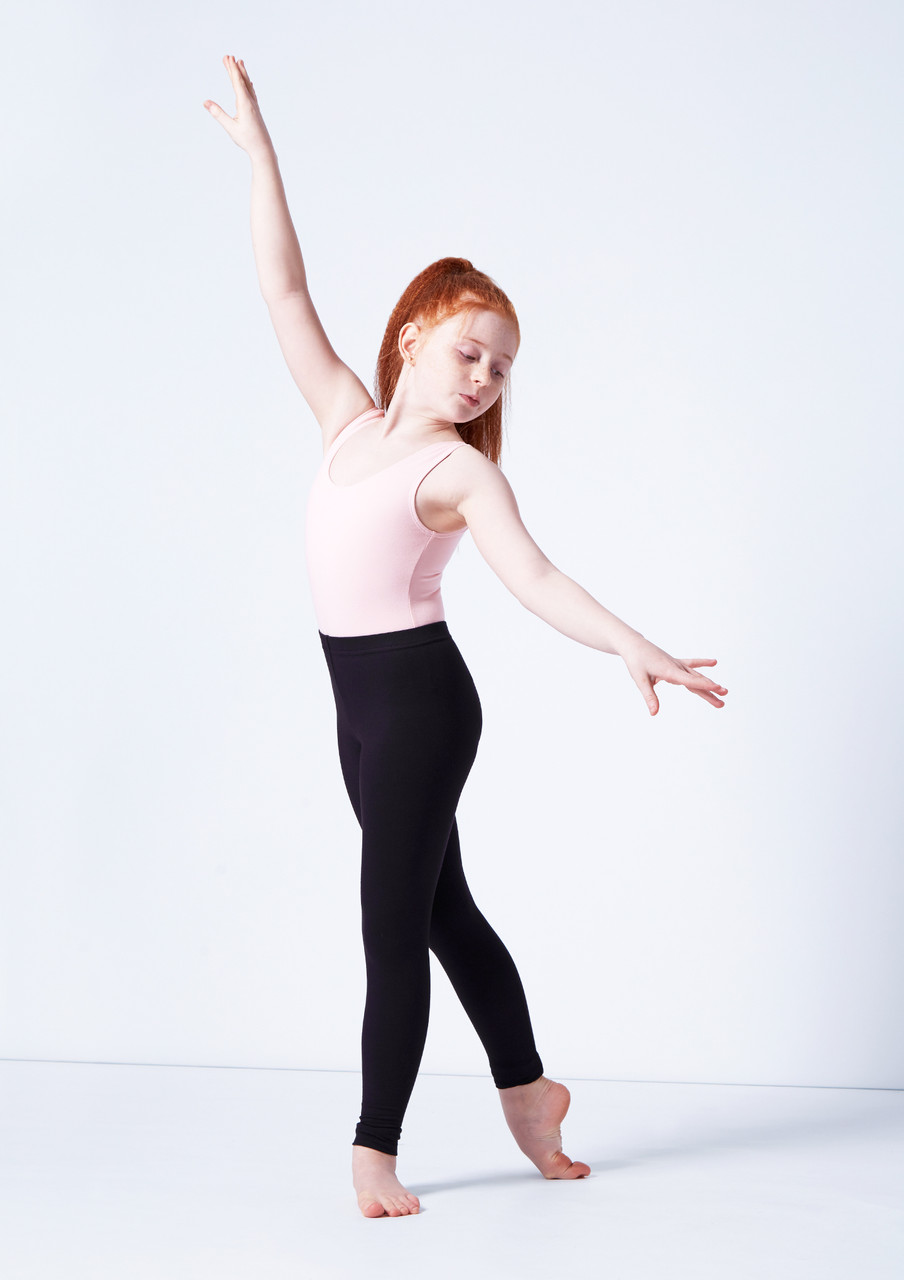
[(534, 1113), (379, 1191)]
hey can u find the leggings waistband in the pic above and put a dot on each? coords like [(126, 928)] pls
[(425, 634)]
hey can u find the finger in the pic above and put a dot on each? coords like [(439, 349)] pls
[(239, 79), (704, 686), (692, 680), (218, 113), (690, 663), (235, 77), (247, 79), (708, 697), (645, 685)]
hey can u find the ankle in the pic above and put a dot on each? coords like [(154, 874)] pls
[(517, 1092), (360, 1152)]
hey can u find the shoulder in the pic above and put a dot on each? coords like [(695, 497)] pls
[(484, 499), (344, 416), (476, 481), (474, 465)]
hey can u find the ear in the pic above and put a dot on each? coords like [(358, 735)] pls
[(409, 338)]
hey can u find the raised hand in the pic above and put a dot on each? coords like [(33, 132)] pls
[(246, 128), (649, 664)]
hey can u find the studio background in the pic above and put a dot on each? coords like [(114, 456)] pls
[(696, 209)]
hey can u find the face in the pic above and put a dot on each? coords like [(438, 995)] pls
[(461, 364)]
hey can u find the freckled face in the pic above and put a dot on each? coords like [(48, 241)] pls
[(466, 360)]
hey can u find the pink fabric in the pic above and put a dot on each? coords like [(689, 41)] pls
[(373, 566)]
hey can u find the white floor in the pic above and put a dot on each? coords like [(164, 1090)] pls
[(170, 1173)]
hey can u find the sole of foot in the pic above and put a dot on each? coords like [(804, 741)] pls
[(534, 1114)]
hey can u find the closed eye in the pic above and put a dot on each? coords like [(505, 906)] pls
[(496, 372)]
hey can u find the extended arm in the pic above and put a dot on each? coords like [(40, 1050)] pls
[(491, 511), (334, 393)]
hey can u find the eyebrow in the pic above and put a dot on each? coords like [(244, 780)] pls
[(502, 355)]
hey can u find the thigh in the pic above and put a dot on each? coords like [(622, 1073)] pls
[(419, 741), (409, 792)]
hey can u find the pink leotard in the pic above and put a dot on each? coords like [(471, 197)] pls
[(373, 566)]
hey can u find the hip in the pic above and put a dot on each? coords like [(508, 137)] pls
[(417, 676)]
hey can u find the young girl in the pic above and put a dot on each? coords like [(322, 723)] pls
[(401, 481)]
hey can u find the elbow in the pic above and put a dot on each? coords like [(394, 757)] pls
[(531, 587), (288, 292)]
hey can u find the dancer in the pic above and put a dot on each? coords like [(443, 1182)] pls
[(402, 479)]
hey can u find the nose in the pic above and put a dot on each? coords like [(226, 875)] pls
[(481, 373)]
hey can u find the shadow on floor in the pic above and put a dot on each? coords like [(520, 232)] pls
[(508, 1179), (885, 1120)]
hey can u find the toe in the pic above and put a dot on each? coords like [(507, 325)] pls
[(561, 1167)]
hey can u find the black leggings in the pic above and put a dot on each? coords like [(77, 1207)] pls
[(409, 721)]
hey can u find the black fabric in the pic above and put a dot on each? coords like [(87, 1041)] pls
[(409, 721)]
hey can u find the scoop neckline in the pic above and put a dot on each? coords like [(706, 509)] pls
[(373, 476)]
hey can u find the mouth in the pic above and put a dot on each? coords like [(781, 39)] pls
[(471, 400)]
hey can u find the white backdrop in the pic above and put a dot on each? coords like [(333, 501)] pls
[(696, 209)]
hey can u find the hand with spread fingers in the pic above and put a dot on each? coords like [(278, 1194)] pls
[(648, 664), (246, 128)]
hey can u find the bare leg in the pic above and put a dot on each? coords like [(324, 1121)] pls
[(534, 1113)]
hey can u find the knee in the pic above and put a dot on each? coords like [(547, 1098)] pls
[(392, 937)]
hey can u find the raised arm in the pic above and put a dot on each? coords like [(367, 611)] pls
[(335, 394), (488, 504)]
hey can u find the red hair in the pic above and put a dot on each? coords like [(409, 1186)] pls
[(446, 288)]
